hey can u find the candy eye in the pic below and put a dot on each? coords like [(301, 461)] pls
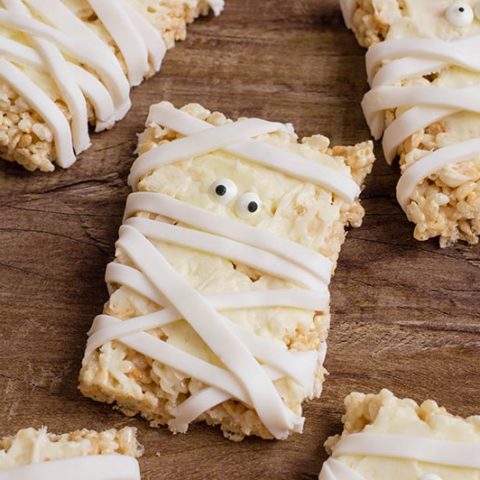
[(223, 190), (460, 14), (248, 204)]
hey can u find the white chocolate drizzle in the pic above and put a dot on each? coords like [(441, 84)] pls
[(421, 449), (395, 60), (250, 363), (94, 467), (79, 62)]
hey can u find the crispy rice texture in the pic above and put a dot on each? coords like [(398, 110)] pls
[(365, 410), (24, 136), (446, 204), (33, 446), (137, 385)]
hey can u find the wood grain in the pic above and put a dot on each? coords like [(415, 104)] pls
[(406, 314)]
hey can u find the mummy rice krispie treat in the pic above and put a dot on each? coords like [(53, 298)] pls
[(68, 64), (82, 455), (219, 307), (424, 74), (388, 438)]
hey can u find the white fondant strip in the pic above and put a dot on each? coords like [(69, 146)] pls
[(228, 228), (217, 334), (431, 163), (97, 467), (428, 450), (259, 152)]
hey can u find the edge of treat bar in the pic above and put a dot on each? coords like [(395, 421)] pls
[(230, 414), (25, 137)]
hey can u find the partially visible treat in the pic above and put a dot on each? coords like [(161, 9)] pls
[(38, 454), (385, 437), (425, 78), (54, 85), (219, 308)]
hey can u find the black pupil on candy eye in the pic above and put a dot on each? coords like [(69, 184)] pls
[(461, 9), (220, 190), (252, 207)]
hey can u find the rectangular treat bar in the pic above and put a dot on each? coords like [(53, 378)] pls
[(65, 65), (219, 307), (82, 455), (385, 437), (424, 75)]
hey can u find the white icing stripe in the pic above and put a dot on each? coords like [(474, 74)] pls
[(334, 470), (461, 52), (299, 365), (197, 368), (404, 68), (92, 88), (201, 143), (96, 467), (229, 249), (262, 153), (230, 350), (431, 163), (74, 46), (154, 43), (380, 99), (64, 80), (407, 124), (293, 298), (59, 38), (418, 107), (428, 450), (209, 398), (45, 107), (228, 228), (126, 36), (251, 362)]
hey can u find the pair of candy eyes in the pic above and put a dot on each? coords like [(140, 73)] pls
[(461, 14), (224, 191)]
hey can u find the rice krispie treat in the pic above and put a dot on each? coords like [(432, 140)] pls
[(219, 307), (425, 78), (385, 437), (68, 64), (85, 454)]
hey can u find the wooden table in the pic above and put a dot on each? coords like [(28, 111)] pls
[(405, 314)]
